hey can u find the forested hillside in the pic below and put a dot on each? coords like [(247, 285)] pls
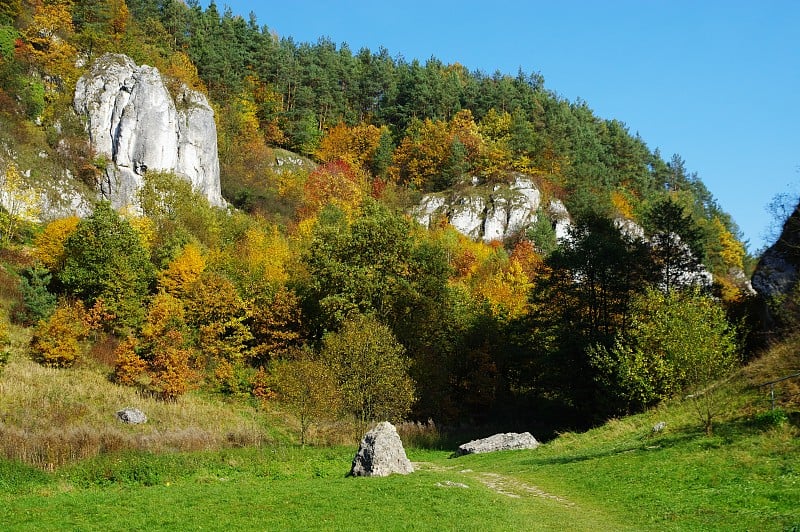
[(316, 290)]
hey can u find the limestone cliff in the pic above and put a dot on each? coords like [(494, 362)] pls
[(135, 123), (489, 211)]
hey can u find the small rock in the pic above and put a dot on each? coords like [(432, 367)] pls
[(381, 453), (132, 416), (451, 484), (658, 427), (499, 442)]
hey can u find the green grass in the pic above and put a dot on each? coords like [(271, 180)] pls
[(617, 477)]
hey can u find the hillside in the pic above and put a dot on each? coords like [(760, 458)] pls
[(270, 257)]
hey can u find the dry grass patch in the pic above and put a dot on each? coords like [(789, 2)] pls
[(49, 417)]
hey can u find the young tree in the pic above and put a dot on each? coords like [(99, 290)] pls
[(308, 389), (105, 259), (678, 342), (22, 204), (371, 370), (677, 243)]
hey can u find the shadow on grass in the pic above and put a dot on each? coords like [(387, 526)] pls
[(725, 433)]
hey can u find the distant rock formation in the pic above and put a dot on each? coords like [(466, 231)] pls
[(381, 453), (491, 211), (135, 123), (776, 274), (499, 442)]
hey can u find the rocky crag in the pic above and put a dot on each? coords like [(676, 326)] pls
[(137, 126)]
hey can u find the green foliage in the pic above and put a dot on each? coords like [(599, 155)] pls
[(38, 301), (105, 259), (543, 234), (371, 370), (676, 240), (678, 342), (308, 389)]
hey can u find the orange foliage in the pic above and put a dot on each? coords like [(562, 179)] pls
[(355, 145), (129, 368), (336, 182)]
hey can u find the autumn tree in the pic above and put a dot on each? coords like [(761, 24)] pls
[(57, 340), (338, 183), (308, 389), (371, 371), (161, 360), (49, 244), (183, 271)]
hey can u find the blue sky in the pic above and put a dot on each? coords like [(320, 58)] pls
[(714, 81)]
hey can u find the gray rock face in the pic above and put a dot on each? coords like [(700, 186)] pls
[(490, 211), (132, 416), (381, 453), (134, 122), (499, 442)]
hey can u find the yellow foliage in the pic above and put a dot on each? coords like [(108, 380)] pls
[(507, 291), (180, 67), (732, 251), (355, 145), (621, 204), (49, 244), (46, 40), (144, 227), (22, 203), (183, 271), (56, 340), (265, 253)]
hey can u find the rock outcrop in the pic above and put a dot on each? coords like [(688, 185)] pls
[(778, 271), (491, 211), (381, 453), (499, 442), (135, 123)]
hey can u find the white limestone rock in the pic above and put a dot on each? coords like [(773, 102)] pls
[(134, 122), (507, 441), (481, 211), (381, 453)]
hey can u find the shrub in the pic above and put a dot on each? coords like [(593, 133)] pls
[(56, 340)]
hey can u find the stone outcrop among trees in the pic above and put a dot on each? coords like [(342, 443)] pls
[(381, 453), (507, 441), (136, 124)]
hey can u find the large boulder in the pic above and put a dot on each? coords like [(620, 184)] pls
[(499, 442), (136, 124), (381, 453)]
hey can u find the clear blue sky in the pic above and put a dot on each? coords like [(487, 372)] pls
[(717, 82)]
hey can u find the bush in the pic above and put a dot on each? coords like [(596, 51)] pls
[(56, 340)]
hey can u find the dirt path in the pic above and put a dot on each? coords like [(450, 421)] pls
[(502, 484)]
